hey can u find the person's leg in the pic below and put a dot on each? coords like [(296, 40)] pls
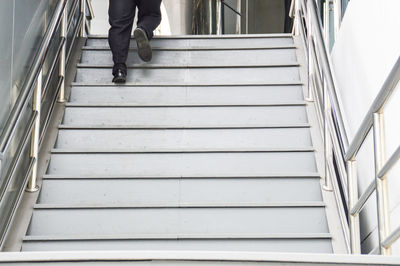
[(121, 15), (149, 16)]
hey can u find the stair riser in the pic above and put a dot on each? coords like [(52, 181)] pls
[(172, 221), (186, 116), (195, 76), (203, 164), (274, 245), (187, 95), (176, 191), (198, 58), (204, 43), (184, 139)]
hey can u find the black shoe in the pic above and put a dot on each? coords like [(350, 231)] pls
[(119, 77), (143, 44)]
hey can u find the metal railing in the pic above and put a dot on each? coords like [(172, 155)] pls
[(69, 21), (340, 163)]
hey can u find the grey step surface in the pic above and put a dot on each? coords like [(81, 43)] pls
[(186, 116), (138, 192), (207, 147), (198, 57), (204, 164), (207, 42), (312, 244), (201, 223), (186, 94), (193, 258), (272, 138), (285, 74)]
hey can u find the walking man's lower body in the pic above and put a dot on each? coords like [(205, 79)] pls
[(121, 16)]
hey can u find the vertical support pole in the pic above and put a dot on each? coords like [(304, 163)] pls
[(247, 16), (354, 220), (83, 12), (309, 54), (327, 138), (63, 35), (381, 183), (37, 102), (218, 17), (239, 18)]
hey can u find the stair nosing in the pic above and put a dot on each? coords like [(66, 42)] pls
[(30, 238), (86, 84), (158, 127), (180, 150), (239, 205), (110, 177), (186, 66), (198, 48), (135, 105), (212, 37)]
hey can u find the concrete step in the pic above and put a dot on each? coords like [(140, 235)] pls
[(163, 75), (184, 164), (177, 222), (187, 42), (186, 94), (186, 116), (178, 191), (185, 139), (246, 57)]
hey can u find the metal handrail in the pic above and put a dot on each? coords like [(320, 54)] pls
[(322, 90), (322, 83), (6, 137), (379, 102), (35, 87), (374, 119)]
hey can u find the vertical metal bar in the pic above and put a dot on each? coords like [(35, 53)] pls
[(63, 35), (83, 12), (37, 104), (239, 18), (309, 54), (381, 183), (210, 5), (354, 220), (327, 138), (247, 16), (218, 17)]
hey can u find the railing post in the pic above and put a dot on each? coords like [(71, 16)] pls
[(63, 35), (239, 18), (309, 54), (218, 17), (381, 183), (35, 139), (83, 12), (354, 220), (327, 138)]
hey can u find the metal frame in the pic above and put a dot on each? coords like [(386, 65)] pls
[(322, 90), (39, 87)]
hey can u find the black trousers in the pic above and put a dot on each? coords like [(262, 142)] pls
[(121, 14)]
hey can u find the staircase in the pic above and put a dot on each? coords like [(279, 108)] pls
[(206, 148)]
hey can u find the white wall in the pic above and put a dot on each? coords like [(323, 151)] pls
[(366, 49), (176, 15)]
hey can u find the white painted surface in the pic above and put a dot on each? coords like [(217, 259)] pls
[(176, 17), (367, 47)]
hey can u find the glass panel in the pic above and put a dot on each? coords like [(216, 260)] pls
[(51, 54), (10, 153), (7, 204), (6, 32), (49, 98)]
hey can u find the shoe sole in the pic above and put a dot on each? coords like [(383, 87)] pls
[(144, 48), (119, 80)]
